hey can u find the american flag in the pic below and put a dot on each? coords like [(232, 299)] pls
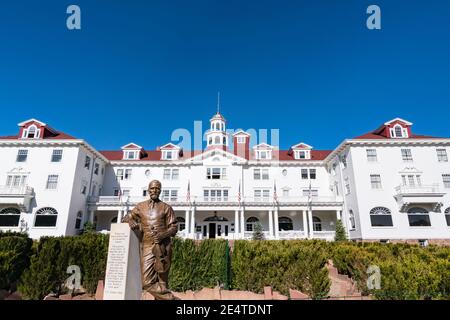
[(188, 193), (275, 197), (239, 193), (309, 196)]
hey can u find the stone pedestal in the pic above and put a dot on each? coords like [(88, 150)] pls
[(123, 269)]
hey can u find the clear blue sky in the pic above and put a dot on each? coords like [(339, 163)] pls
[(310, 68)]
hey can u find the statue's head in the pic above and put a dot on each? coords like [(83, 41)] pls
[(154, 189)]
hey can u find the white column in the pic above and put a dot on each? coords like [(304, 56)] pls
[(193, 231), (187, 224), (119, 216), (91, 216), (338, 215), (310, 224), (305, 224), (275, 218), (271, 223), (236, 224), (242, 224)]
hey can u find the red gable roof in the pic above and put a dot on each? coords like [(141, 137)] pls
[(374, 135), (58, 136)]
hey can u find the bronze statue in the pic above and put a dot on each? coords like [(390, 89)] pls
[(154, 222)]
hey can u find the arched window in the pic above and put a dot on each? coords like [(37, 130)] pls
[(9, 217), (32, 132), (46, 217), (317, 224), (398, 131), (224, 141), (210, 141), (352, 220), (181, 223), (217, 126), (285, 224), (217, 140), (251, 222), (78, 220), (447, 216), (418, 217), (381, 217)]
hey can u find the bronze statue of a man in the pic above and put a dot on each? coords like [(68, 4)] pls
[(155, 223)]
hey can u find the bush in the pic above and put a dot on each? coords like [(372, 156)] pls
[(340, 234), (258, 233), (15, 251), (48, 269), (281, 264), (199, 265)]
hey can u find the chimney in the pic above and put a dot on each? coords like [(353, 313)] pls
[(241, 144)]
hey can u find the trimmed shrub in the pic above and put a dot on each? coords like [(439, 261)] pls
[(48, 269), (199, 265), (15, 251), (281, 264), (340, 234)]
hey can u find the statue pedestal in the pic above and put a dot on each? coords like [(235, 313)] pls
[(123, 269)]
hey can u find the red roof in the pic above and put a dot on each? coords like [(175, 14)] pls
[(156, 155), (373, 135), (59, 136)]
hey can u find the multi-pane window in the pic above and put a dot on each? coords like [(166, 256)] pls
[(261, 174), (347, 186), (16, 180), (127, 174), (169, 195), (381, 217), (407, 155), (22, 155), (264, 154), (87, 162), (119, 174), (52, 181), (375, 181), (312, 174), (312, 192), (411, 180), (215, 195), (83, 187), (371, 155), (171, 174), (262, 194), (285, 193), (78, 220), (216, 173), (57, 155), (418, 217), (304, 174), (352, 220), (446, 179), (301, 154), (442, 155), (447, 216), (96, 168)]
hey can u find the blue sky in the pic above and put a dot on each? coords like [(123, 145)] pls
[(137, 70)]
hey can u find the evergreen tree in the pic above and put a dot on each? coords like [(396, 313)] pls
[(340, 234), (258, 233)]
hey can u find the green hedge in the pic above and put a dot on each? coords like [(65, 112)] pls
[(198, 265), (407, 271), (15, 251), (281, 264), (47, 272)]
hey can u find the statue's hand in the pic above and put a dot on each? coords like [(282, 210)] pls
[(133, 224)]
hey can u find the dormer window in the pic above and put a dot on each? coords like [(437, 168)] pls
[(302, 154), (399, 132), (167, 155), (263, 154), (32, 132), (130, 154)]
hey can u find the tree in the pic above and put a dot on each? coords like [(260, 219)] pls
[(340, 234), (258, 233)]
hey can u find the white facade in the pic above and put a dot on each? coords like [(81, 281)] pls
[(386, 185)]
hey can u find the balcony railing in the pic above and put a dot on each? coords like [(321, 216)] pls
[(419, 190), (15, 191), (181, 199)]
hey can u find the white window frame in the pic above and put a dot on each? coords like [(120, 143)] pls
[(241, 140), (57, 155), (375, 182), (446, 180), (406, 155), (372, 155), (26, 131), (403, 132), (22, 153), (52, 182), (442, 155)]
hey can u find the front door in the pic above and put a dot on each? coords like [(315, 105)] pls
[(212, 230)]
